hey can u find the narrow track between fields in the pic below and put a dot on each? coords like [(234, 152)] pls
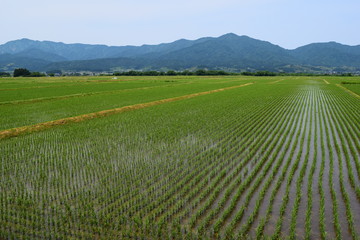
[(349, 91), (326, 81), (277, 81), (45, 125), (43, 99)]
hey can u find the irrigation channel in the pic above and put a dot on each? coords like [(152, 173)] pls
[(273, 161)]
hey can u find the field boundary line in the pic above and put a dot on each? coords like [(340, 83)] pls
[(277, 81), (43, 99), (13, 132), (326, 81), (347, 90), (84, 82)]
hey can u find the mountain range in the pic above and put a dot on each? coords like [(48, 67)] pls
[(229, 52)]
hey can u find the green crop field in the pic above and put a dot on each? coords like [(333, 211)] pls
[(229, 157)]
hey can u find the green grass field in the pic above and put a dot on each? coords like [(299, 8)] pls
[(197, 158)]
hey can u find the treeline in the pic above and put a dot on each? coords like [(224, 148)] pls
[(5, 74), (200, 72), (268, 73), (23, 72), (260, 73)]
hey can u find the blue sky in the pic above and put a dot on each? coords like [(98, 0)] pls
[(288, 23)]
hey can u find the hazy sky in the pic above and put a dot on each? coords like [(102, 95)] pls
[(288, 23)]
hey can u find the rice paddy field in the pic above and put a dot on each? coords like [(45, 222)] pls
[(229, 157)]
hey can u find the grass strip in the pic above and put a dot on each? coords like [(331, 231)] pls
[(42, 126), (349, 91)]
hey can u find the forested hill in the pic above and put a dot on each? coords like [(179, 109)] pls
[(228, 52)]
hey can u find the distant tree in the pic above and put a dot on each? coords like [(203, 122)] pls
[(21, 72), (200, 72), (55, 72), (133, 73), (186, 73), (37, 74), (265, 73), (247, 73), (216, 72), (151, 73), (4, 74), (171, 73), (220, 72)]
